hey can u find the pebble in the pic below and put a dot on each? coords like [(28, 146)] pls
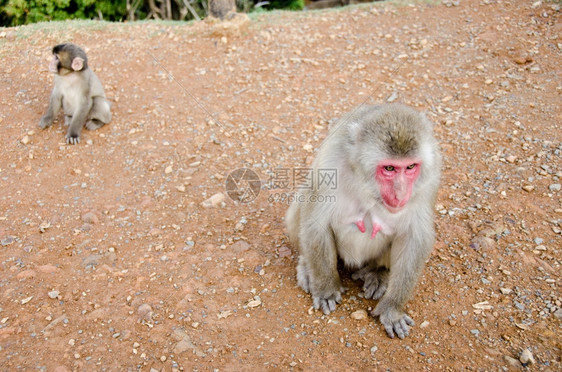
[(7, 241), (555, 187), (145, 312), (285, 251), (359, 314), (91, 260), (213, 201), (90, 218), (512, 361), (47, 269), (526, 358), (53, 294), (528, 188)]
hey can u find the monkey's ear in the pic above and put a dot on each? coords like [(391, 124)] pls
[(77, 64)]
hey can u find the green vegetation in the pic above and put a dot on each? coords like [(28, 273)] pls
[(19, 12)]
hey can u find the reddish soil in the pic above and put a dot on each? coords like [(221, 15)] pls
[(109, 261)]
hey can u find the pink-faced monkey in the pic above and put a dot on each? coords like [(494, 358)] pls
[(378, 219), (78, 91)]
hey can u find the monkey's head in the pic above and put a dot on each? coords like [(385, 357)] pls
[(68, 58), (393, 152)]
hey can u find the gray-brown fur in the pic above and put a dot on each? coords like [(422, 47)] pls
[(391, 263), (78, 91)]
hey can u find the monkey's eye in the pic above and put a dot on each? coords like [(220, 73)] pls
[(411, 166), (389, 168)]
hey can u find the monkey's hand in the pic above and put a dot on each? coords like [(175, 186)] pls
[(45, 121), (327, 303), (375, 280), (393, 320), (72, 139)]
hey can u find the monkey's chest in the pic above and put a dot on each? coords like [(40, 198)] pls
[(357, 248)]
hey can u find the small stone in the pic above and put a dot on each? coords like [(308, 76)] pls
[(359, 315), (528, 188), (47, 269), (482, 242), (25, 140), (168, 169), (511, 158), (213, 201), (255, 302), (145, 312), (555, 187), (44, 226), (512, 361), (285, 251), (90, 218), (7, 241), (506, 291), (374, 349), (526, 358), (53, 294), (91, 260), (424, 324), (558, 313)]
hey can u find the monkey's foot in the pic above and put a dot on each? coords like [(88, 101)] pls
[(72, 140), (328, 304), (375, 280), (394, 321), (94, 124), (44, 122)]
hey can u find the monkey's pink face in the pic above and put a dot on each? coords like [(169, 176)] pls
[(396, 179)]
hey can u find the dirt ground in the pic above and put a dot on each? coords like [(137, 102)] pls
[(126, 251)]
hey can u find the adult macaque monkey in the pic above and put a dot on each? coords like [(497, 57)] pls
[(79, 92), (378, 218)]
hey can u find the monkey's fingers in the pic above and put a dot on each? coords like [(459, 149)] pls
[(400, 327), (72, 140), (327, 305)]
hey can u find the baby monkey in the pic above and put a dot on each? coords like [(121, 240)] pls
[(79, 92), (377, 218)]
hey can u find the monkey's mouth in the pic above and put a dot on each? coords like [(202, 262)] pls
[(394, 207)]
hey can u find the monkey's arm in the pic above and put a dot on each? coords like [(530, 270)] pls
[(317, 271), (408, 254), (78, 120), (55, 103)]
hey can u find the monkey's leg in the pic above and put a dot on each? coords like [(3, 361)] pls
[(55, 103), (375, 280), (317, 271), (67, 120), (99, 115)]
